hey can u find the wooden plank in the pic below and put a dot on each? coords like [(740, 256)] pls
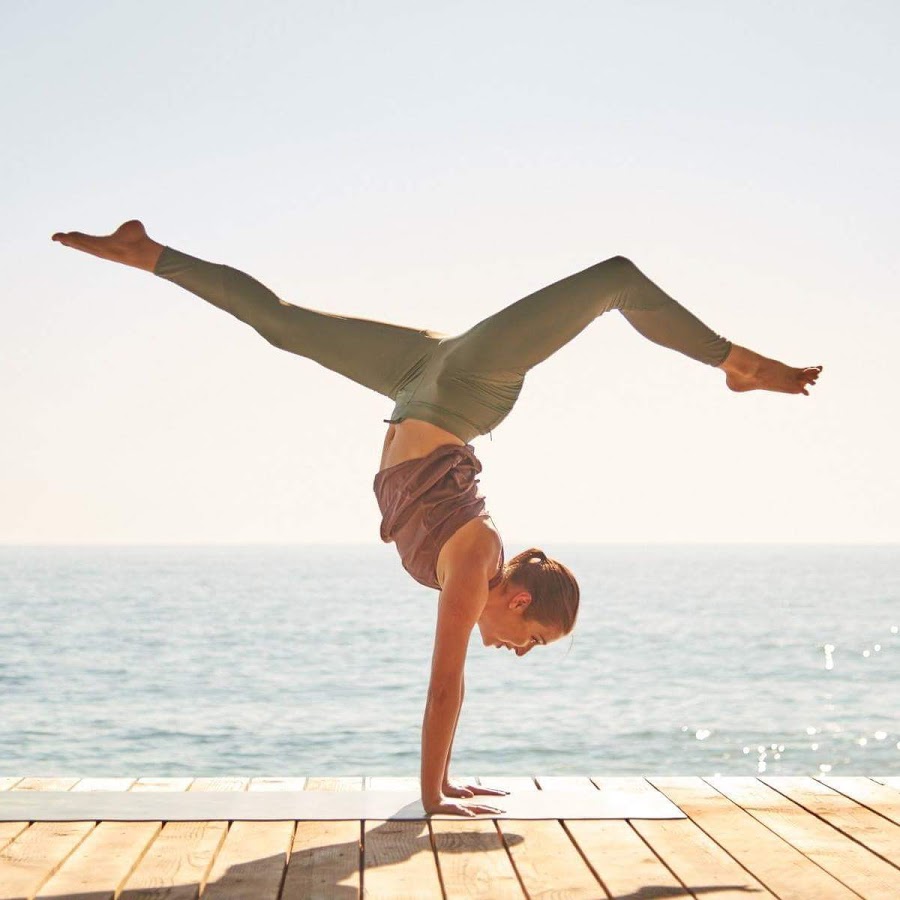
[(161, 784), (251, 862), (399, 860), (721, 845), (697, 861), (10, 830), (619, 858), (38, 850), (323, 783), (220, 783), (846, 815), (277, 784), (473, 861), (36, 854), (48, 783), (103, 784), (848, 862), (177, 862), (325, 856), (472, 856), (546, 860), (398, 857), (631, 785), (102, 862), (878, 797)]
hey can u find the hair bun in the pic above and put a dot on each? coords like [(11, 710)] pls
[(539, 554)]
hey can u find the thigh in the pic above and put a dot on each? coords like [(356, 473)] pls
[(528, 331), (378, 355)]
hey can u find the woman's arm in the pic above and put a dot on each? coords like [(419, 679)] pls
[(462, 599), (446, 782)]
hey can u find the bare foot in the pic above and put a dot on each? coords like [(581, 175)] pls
[(128, 244), (748, 371)]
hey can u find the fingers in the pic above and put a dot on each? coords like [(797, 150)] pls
[(463, 809), (458, 792), (494, 792)]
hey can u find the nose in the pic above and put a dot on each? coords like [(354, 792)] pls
[(521, 651)]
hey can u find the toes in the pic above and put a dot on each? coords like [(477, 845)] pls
[(810, 376), (66, 237)]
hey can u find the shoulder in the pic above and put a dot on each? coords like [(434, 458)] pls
[(471, 553)]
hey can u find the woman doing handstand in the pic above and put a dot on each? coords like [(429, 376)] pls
[(447, 390)]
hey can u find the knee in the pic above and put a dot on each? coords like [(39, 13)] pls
[(274, 339), (270, 329), (619, 263), (619, 268)]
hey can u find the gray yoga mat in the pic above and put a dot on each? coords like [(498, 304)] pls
[(180, 806)]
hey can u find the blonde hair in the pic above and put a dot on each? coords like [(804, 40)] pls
[(553, 588)]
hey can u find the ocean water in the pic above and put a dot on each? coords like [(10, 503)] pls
[(265, 660)]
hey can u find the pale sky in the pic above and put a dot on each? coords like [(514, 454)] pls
[(427, 164)]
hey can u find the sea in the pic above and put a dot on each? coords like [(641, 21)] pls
[(314, 660)]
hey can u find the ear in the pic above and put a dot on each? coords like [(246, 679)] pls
[(520, 601)]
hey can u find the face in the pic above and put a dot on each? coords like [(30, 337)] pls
[(504, 624)]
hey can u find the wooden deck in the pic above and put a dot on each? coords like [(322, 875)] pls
[(784, 837)]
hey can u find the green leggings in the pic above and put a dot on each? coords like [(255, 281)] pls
[(465, 383)]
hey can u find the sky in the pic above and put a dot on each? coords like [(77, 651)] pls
[(428, 164)]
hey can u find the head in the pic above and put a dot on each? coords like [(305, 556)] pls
[(536, 603)]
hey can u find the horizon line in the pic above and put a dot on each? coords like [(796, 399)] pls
[(635, 543)]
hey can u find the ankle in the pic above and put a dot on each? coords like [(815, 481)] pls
[(741, 361), (153, 253), (146, 255)]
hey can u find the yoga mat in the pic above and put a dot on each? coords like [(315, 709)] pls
[(190, 806)]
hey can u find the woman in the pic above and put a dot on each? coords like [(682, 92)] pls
[(447, 390)]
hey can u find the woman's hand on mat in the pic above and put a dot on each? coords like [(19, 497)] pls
[(470, 790), (446, 806)]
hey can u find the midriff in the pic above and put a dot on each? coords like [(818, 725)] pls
[(413, 439)]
